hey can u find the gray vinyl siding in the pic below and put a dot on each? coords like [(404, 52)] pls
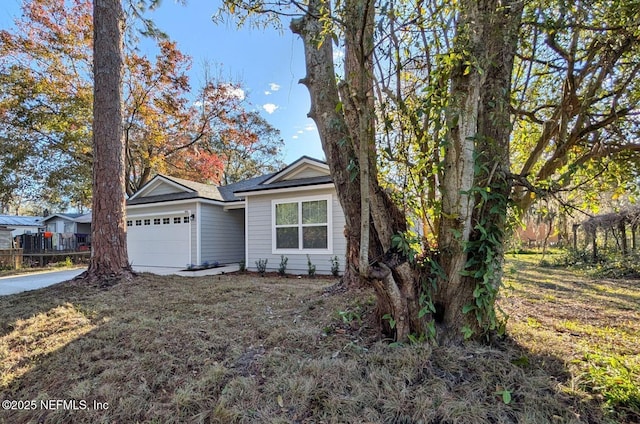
[(259, 234), (163, 189), (308, 173), (222, 234)]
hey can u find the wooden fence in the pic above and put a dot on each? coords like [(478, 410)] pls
[(10, 258)]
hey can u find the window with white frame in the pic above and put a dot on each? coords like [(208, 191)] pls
[(302, 224)]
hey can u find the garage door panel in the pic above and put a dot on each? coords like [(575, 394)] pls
[(164, 245)]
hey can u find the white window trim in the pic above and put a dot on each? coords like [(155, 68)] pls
[(300, 250)]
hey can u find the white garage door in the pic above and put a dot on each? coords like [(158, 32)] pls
[(159, 240)]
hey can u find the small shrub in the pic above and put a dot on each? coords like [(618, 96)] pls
[(66, 263), (349, 316), (261, 264), (311, 267), (335, 266), (619, 266), (545, 264), (612, 376), (282, 269), (573, 257), (243, 266)]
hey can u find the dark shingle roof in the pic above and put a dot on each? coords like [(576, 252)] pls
[(228, 193), (299, 182), (163, 198), (202, 191)]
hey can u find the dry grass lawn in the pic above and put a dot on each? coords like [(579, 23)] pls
[(246, 349)]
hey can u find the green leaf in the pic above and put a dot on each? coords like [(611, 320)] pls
[(468, 308), (392, 322), (506, 396), (478, 291), (467, 332)]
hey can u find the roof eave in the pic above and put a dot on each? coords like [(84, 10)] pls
[(302, 187)]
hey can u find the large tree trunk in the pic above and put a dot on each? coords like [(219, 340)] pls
[(345, 119), (480, 99), (454, 290), (109, 259), (476, 185)]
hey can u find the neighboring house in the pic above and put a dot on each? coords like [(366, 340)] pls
[(173, 222), (22, 224), (67, 231)]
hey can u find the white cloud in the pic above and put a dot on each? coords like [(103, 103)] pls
[(300, 132), (266, 93), (270, 108), (310, 127), (274, 87), (233, 91), (295, 137)]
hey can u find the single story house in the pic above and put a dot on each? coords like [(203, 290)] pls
[(172, 222), (22, 224), (67, 231)]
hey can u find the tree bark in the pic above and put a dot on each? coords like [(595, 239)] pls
[(344, 117), (622, 227), (454, 290), (476, 185), (109, 258), (480, 96)]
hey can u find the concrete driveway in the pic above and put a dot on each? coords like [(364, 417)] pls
[(19, 283), (32, 281), (182, 272)]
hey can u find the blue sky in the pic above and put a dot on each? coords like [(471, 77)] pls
[(268, 63)]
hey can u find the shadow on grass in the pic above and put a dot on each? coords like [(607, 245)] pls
[(249, 349), (27, 304), (532, 281)]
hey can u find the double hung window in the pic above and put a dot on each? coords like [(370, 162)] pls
[(302, 224)]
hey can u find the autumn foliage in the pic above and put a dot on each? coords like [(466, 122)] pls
[(204, 133)]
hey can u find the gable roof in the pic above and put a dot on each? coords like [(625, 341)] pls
[(186, 189), (305, 171), (293, 170), (66, 216), (164, 188)]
